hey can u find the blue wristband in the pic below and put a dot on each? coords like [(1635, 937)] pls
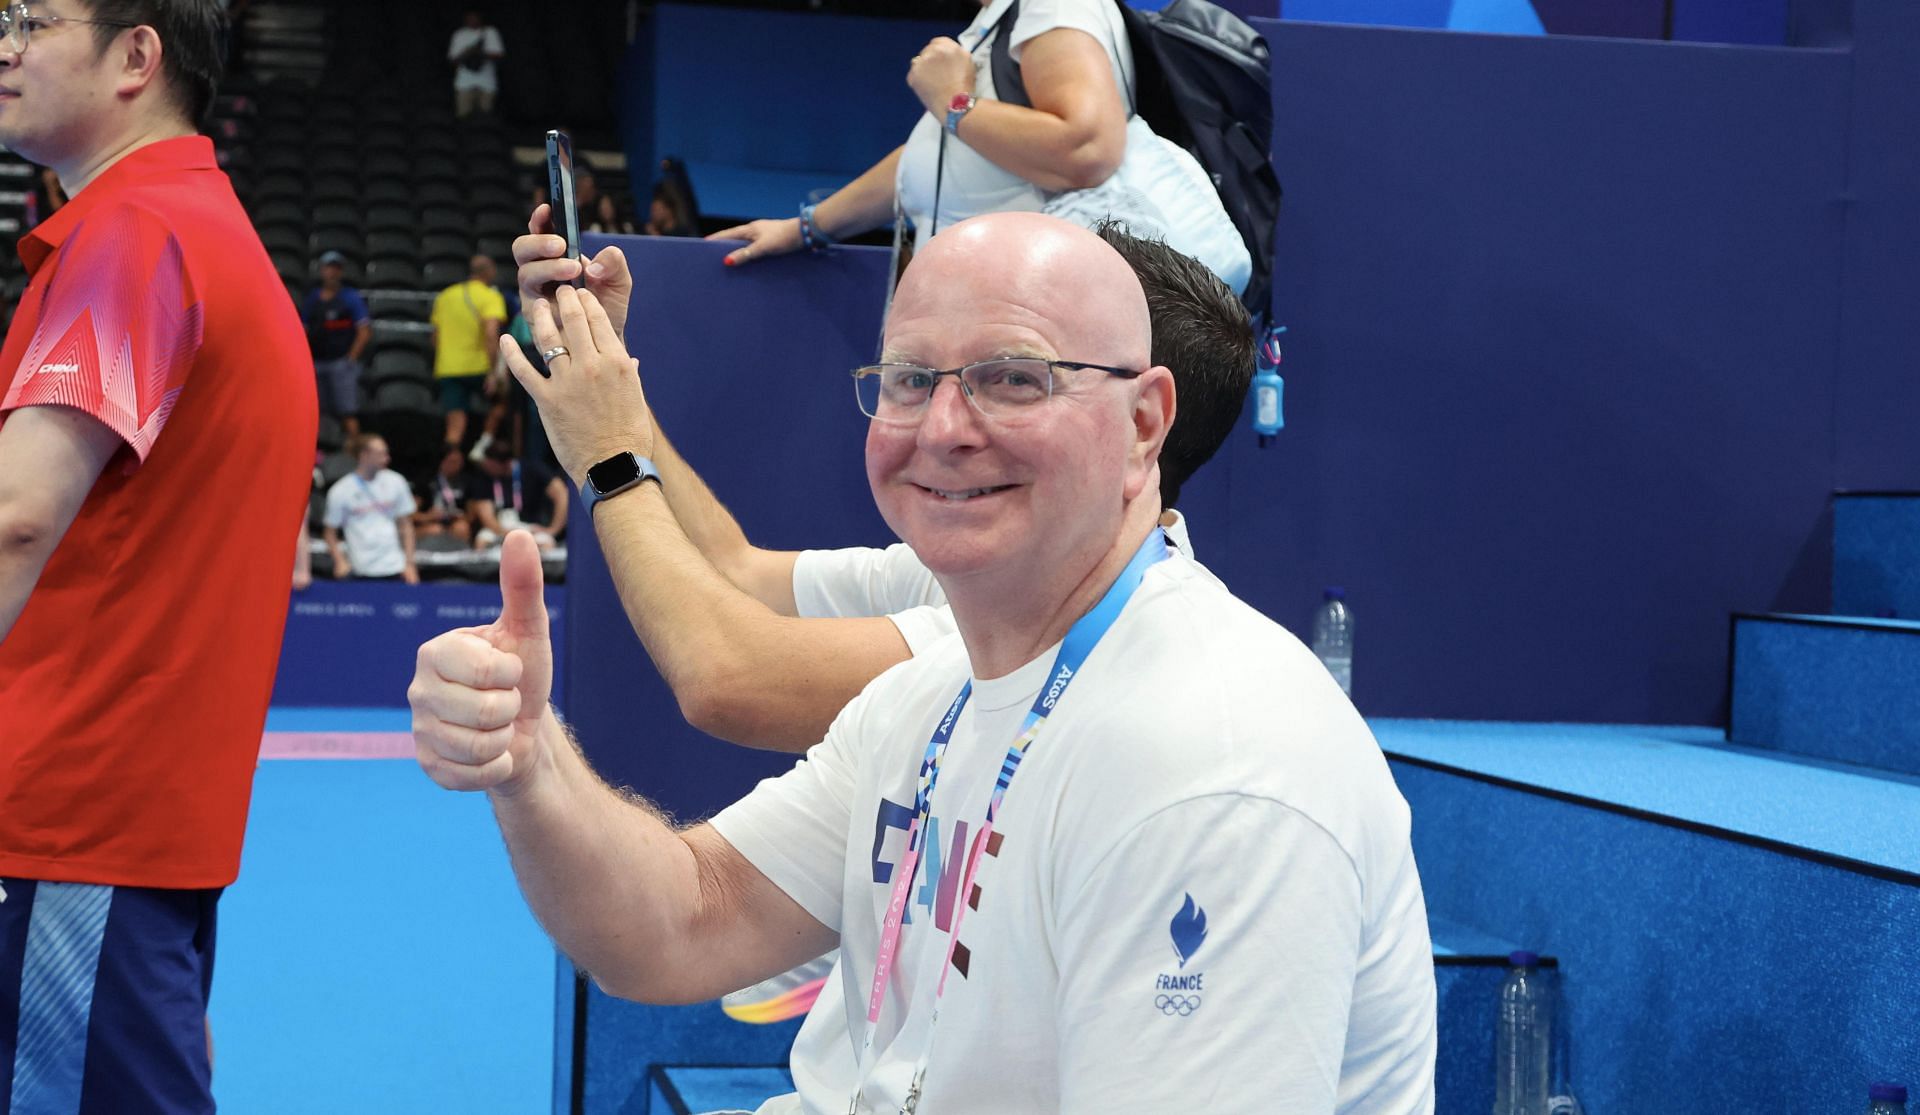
[(810, 234)]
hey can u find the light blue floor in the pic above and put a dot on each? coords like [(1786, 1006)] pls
[(375, 956)]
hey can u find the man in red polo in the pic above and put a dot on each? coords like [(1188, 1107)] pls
[(157, 422)]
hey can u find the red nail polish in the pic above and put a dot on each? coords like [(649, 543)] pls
[(728, 261)]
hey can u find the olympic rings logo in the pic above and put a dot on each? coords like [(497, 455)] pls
[(1182, 1005)]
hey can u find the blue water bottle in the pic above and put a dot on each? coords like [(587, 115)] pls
[(1267, 385)]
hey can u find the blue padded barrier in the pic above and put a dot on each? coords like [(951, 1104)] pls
[(747, 372), (1690, 951), (352, 643), (1830, 687), (1876, 554)]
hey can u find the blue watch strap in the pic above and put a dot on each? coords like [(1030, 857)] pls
[(644, 470)]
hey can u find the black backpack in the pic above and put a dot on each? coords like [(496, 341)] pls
[(1201, 81)]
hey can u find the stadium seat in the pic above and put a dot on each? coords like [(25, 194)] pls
[(331, 185), (447, 219), (397, 245), (392, 218), (393, 272), (440, 274), (387, 191), (399, 364), (443, 246), (337, 213), (344, 239), (280, 212), (388, 305)]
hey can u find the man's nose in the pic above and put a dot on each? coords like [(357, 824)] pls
[(951, 418)]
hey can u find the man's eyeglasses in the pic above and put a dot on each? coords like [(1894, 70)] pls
[(1005, 388), (18, 26)]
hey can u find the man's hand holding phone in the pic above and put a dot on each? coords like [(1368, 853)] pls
[(542, 258), (591, 401)]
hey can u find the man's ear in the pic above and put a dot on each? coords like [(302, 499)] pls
[(1153, 410), (141, 57)]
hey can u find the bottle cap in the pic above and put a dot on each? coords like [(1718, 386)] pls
[(1523, 958), (1890, 1093), (1335, 593)]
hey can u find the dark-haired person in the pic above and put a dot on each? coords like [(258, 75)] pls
[(156, 370)]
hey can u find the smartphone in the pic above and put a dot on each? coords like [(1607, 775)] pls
[(565, 213)]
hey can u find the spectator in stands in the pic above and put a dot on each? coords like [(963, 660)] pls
[(1079, 152), (444, 501), (509, 494), (671, 213), (338, 331), (468, 318), (610, 216), (375, 507), (475, 51)]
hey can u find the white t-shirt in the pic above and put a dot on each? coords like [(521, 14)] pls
[(486, 77), (1160, 190), (368, 510), (858, 582), (1202, 894)]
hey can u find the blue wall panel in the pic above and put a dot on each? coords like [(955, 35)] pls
[(1879, 396), (1563, 315)]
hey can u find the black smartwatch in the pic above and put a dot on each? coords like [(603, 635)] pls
[(614, 475)]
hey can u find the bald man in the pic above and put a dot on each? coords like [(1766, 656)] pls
[(1117, 845)]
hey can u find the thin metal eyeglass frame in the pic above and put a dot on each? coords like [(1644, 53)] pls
[(13, 25), (959, 376)]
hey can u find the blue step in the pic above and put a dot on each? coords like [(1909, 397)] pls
[(1713, 906), (1468, 967), (693, 1089), (1828, 687), (1876, 554)]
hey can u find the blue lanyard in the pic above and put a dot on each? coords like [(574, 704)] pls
[(1082, 637)]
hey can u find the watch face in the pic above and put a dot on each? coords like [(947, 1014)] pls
[(614, 473), (961, 102)]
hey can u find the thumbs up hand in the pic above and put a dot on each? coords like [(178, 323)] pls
[(479, 694)]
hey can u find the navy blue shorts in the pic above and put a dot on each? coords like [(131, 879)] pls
[(103, 999)]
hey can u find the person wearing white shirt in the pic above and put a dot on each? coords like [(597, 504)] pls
[(475, 51), (374, 506), (1147, 850)]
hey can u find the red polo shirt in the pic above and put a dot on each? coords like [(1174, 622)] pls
[(134, 687)]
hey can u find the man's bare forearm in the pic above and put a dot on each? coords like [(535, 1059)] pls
[(654, 914), (739, 671)]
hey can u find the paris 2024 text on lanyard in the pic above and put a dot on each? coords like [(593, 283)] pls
[(1074, 649)]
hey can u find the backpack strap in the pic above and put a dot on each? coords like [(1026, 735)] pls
[(1007, 85)]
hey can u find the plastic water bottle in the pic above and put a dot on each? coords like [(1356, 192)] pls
[(1333, 637), (1524, 1040), (1267, 387), (1887, 1099)]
